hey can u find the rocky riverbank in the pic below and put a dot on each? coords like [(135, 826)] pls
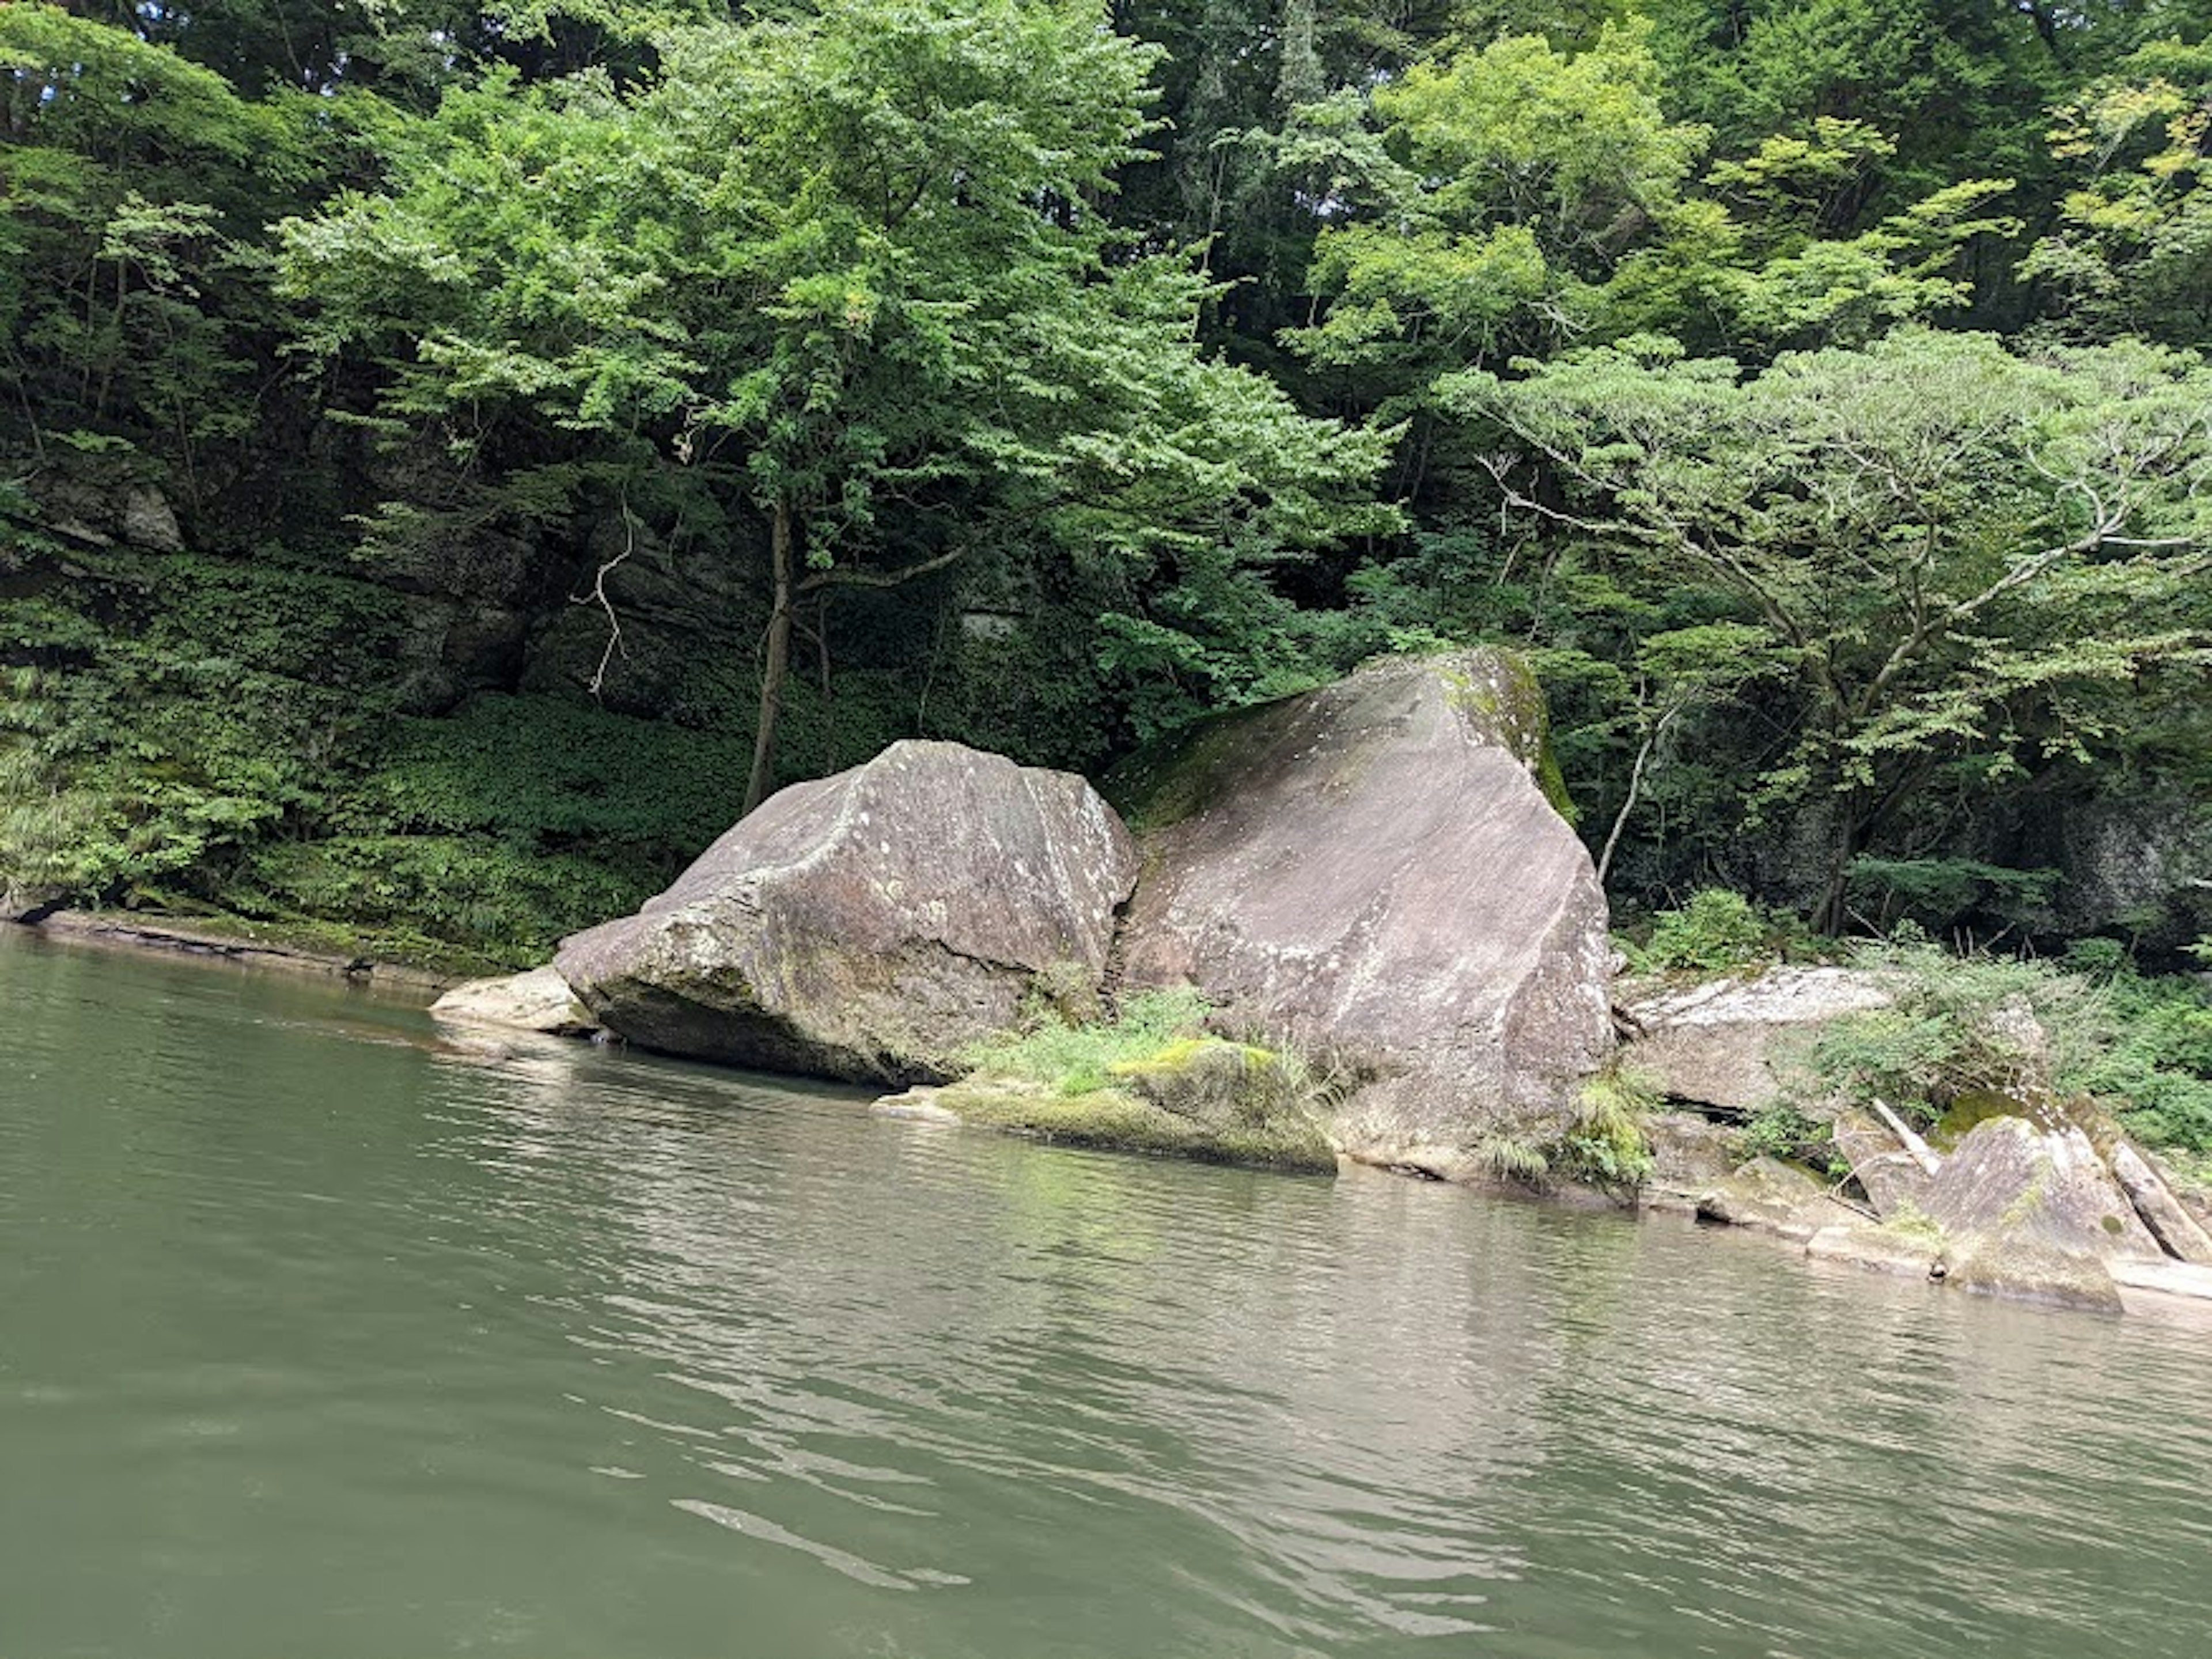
[(1391, 948)]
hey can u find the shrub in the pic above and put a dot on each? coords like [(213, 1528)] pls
[(1079, 1059), (1964, 1025), (1716, 931)]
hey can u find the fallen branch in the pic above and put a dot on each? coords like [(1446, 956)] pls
[(1922, 1153)]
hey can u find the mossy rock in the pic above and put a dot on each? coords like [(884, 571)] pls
[(1216, 1083), (1117, 1120)]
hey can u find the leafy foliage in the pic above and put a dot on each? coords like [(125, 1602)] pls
[(642, 405), (1963, 1027), (1078, 1057)]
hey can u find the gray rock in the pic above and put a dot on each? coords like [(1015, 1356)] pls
[(1893, 1177), (2165, 1287), (916, 1105), (538, 1001), (2028, 1269), (1773, 1197), (2174, 1228), (1690, 1155), (1730, 1043), (1371, 871), (873, 924), (147, 520), (2008, 1185)]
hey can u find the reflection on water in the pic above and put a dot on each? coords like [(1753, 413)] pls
[(327, 1333)]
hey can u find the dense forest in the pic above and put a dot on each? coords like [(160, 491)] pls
[(455, 456)]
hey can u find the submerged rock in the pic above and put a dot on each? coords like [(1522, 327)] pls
[(1373, 873), (1729, 1044), (1282, 1136), (873, 924), (539, 1000)]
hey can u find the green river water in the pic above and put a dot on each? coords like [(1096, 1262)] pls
[(325, 1335)]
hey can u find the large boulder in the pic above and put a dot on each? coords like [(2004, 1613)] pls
[(2030, 1211), (2014, 1180), (1729, 1044), (873, 924), (1373, 873)]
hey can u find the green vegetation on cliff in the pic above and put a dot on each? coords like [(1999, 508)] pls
[(455, 453)]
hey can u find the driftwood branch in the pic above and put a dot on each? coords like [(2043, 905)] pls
[(1922, 1153)]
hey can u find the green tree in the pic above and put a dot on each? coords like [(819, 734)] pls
[(2132, 253), (1952, 549), (841, 269)]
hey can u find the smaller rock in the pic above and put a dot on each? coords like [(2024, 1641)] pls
[(1770, 1195), (1913, 1253), (1730, 1043), (1117, 1120), (539, 1000), (1689, 1155), (2172, 1226), (1891, 1177), (1215, 1084), (149, 521), (2165, 1287), (917, 1105)]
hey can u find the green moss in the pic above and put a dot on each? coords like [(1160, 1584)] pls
[(1174, 777), (1910, 1223), (1116, 1121), (1972, 1107), (1512, 709), (1077, 1059)]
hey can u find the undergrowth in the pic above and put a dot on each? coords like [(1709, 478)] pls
[(1079, 1058), (2089, 1026)]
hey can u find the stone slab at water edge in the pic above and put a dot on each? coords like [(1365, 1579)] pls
[(1373, 873), (872, 924)]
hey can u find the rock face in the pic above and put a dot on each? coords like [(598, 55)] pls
[(2183, 1236), (539, 1000), (1690, 1155), (2009, 1181), (1891, 1178), (1371, 871), (1727, 1043), (871, 925), (2033, 1214), (1773, 1197)]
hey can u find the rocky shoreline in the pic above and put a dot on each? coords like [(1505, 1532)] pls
[(1393, 951)]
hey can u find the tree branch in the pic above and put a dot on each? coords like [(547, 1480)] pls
[(841, 577)]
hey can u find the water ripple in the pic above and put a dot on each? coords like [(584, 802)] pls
[(326, 1332)]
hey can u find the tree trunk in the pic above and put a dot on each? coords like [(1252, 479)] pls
[(778, 658)]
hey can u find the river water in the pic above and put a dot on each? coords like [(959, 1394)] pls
[(323, 1334)]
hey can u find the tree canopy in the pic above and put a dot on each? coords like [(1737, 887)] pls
[(401, 401)]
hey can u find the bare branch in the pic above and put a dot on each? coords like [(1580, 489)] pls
[(598, 595)]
